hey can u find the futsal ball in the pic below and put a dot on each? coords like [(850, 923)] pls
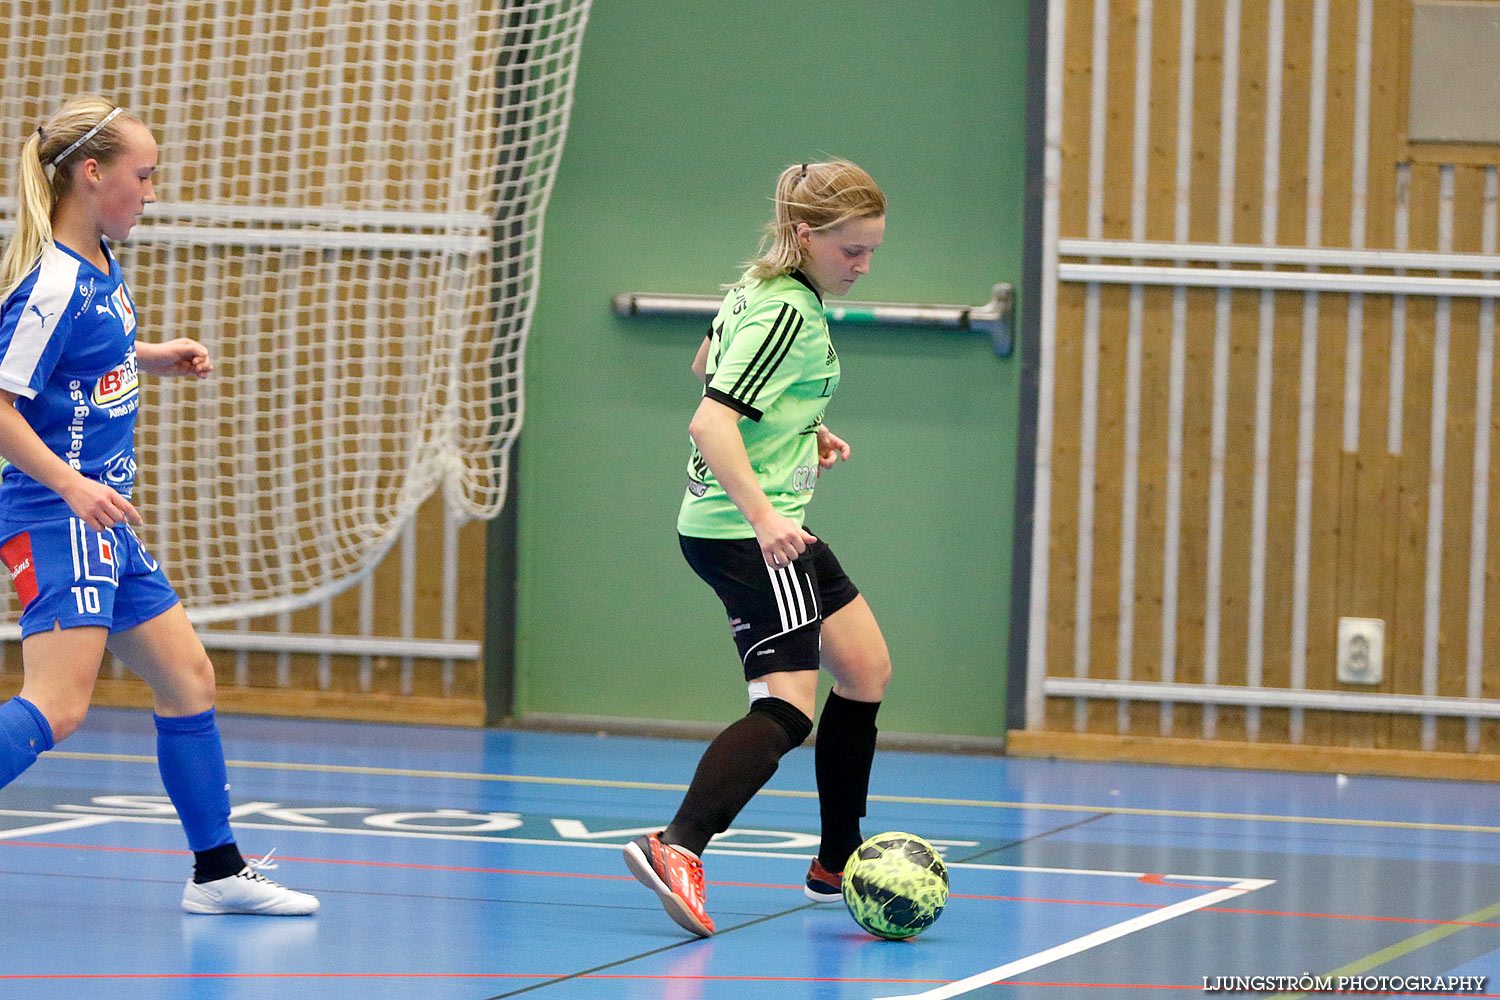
[(895, 885)]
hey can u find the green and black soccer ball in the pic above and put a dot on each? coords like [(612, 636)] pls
[(895, 885)]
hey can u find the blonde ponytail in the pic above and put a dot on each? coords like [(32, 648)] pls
[(65, 137), (823, 195), (33, 217)]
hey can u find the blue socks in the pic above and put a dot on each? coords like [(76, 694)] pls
[(24, 733), (190, 756)]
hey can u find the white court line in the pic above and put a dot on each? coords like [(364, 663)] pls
[(741, 852), (1088, 941), (1094, 871), (72, 823)]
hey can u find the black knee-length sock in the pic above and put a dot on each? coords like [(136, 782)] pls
[(842, 758), (736, 764)]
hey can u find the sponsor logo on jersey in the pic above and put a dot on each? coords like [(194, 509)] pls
[(17, 556), (86, 291), (78, 398), (831, 356), (117, 385), (120, 470), (697, 487), (120, 303)]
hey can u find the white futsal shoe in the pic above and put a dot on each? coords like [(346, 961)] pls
[(248, 892)]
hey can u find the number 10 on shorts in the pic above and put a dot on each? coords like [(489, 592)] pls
[(87, 599)]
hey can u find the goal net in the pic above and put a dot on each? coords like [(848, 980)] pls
[(349, 216)]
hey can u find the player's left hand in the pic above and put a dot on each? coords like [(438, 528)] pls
[(175, 357), (831, 449)]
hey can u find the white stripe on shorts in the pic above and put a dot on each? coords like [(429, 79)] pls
[(792, 603)]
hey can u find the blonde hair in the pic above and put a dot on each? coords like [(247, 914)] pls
[(823, 195), (42, 181)]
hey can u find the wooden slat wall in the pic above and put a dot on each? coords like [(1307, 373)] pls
[(1367, 546), (372, 688)]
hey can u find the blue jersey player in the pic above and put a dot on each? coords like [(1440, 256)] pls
[(69, 365)]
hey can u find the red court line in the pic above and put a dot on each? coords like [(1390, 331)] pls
[(1199, 989), (1233, 909), (769, 885), (1162, 880), (466, 975), (649, 978)]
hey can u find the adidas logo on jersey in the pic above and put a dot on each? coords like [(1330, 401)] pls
[(831, 356)]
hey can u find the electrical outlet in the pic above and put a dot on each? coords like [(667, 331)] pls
[(1361, 657)]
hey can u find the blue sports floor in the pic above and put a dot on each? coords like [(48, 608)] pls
[(484, 864)]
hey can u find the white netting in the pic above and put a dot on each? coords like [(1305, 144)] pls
[(350, 217)]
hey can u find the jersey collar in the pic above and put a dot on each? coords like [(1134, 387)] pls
[(797, 273), (109, 258)]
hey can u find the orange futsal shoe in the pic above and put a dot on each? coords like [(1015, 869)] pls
[(676, 875), (823, 886)]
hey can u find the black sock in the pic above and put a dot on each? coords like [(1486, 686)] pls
[(217, 862), (842, 758), (736, 764)]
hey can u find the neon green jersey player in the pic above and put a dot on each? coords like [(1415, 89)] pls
[(770, 360), (759, 443)]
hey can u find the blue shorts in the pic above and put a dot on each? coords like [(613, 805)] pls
[(67, 574)]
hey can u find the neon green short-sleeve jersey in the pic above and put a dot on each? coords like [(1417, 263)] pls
[(769, 359)]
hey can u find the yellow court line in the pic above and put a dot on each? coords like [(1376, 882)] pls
[(1400, 948), (531, 779)]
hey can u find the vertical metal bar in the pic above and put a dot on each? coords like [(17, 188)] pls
[(286, 395), (1480, 512), (367, 628), (385, 47), (1480, 498), (450, 589), (1182, 188), (1130, 474), (1036, 635), (1218, 449), (1308, 403), (1395, 415), (1437, 467), (325, 662), (408, 599), (1089, 394), (1270, 190), (1358, 207)]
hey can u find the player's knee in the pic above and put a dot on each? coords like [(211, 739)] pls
[(199, 682), (64, 718), (865, 678), (792, 720), (190, 688)]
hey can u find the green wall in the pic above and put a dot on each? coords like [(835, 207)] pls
[(685, 113)]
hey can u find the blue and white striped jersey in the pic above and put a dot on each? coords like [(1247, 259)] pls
[(67, 349)]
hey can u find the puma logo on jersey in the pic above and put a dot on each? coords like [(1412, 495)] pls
[(104, 310), (41, 315)]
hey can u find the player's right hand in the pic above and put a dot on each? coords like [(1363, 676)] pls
[(98, 506), (781, 539)]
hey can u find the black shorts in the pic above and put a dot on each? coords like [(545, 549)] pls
[(776, 615)]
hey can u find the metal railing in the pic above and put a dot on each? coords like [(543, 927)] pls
[(995, 317)]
